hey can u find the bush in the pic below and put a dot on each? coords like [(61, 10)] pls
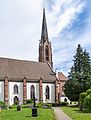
[(53, 104), (87, 103), (47, 105), (44, 105), (81, 100), (63, 103), (39, 105), (16, 102), (10, 107), (88, 91), (2, 103), (29, 101)]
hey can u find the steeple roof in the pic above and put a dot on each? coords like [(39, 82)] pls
[(44, 32)]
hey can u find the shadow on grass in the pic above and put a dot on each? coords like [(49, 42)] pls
[(76, 109), (29, 116), (79, 111)]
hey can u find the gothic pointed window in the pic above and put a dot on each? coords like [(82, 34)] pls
[(32, 91), (15, 89), (47, 53), (47, 92)]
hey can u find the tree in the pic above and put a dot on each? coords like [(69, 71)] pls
[(79, 76)]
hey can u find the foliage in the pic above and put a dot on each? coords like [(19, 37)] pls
[(44, 105), (39, 105), (29, 101), (79, 76), (63, 103), (76, 114), (16, 102), (47, 105), (72, 89), (87, 103), (88, 91), (2, 103), (81, 100), (10, 106), (85, 100)]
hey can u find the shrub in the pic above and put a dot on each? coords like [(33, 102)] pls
[(39, 105), (63, 103), (29, 101), (10, 107), (81, 100), (47, 105), (88, 91), (2, 103), (87, 103), (16, 102), (53, 104)]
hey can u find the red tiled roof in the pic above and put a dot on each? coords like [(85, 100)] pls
[(18, 69), (61, 76)]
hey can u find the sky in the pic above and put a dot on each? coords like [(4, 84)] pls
[(68, 22)]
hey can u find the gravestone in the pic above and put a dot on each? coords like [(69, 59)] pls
[(19, 108)]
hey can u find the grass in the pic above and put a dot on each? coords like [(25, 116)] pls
[(26, 114), (75, 114)]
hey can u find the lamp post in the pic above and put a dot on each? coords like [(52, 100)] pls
[(34, 109)]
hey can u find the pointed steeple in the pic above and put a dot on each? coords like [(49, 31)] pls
[(45, 50), (44, 33)]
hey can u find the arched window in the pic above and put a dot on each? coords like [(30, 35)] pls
[(15, 89), (47, 92), (32, 90), (47, 53)]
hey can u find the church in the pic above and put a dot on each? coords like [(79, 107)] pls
[(21, 80)]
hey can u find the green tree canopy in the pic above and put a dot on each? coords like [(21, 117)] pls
[(79, 75)]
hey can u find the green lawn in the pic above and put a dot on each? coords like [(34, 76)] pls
[(25, 114), (75, 114)]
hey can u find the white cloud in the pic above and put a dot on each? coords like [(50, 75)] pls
[(19, 28), (59, 20)]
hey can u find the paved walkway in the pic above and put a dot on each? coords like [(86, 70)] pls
[(60, 115)]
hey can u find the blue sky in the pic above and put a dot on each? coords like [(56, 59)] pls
[(69, 24)]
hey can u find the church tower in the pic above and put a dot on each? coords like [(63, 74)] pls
[(45, 50)]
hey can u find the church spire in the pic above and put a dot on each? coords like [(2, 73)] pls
[(44, 33), (45, 50)]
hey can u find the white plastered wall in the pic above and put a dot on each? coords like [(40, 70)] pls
[(36, 86), (11, 92), (52, 93), (1, 90)]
